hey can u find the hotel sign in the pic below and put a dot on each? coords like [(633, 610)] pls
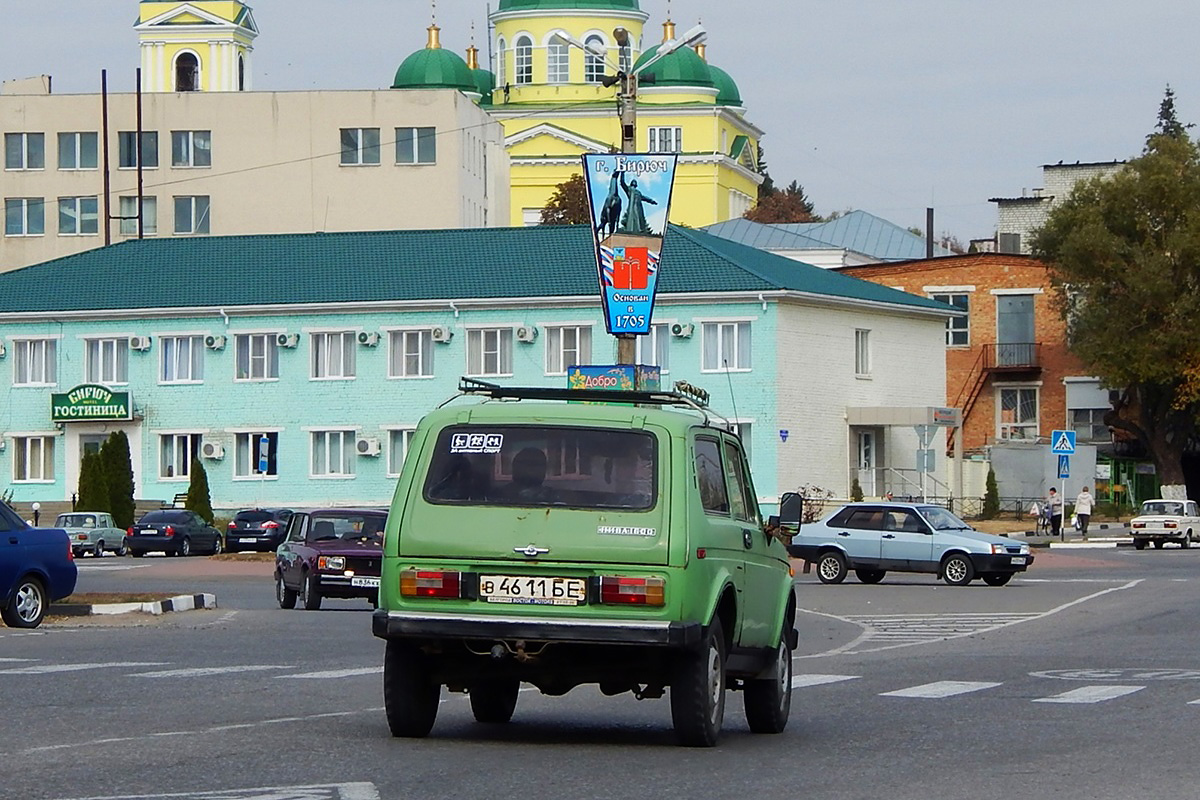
[(90, 403)]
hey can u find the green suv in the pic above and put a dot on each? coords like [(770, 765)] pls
[(562, 537)]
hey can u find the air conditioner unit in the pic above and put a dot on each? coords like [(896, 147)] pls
[(441, 334), (368, 446), (288, 339), (683, 331), (3, 352), (526, 333), (214, 342), (139, 342), (368, 339), (213, 450)]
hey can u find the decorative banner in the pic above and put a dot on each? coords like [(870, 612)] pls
[(620, 378), (629, 197), (88, 403)]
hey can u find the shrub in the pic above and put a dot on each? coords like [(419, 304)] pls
[(118, 474), (198, 498), (93, 484), (856, 493), (991, 497)]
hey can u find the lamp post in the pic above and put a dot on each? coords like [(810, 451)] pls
[(627, 93)]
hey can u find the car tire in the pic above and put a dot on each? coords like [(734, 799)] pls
[(123, 550), (98, 550), (831, 567), (185, 547), (957, 570), (1158, 544), (310, 595), (285, 596), (1186, 541), (136, 553), (768, 702), (869, 575), (1139, 544), (410, 697), (997, 578), (494, 701), (216, 550), (76, 552), (698, 692), (27, 606)]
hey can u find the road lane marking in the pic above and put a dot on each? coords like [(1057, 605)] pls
[(336, 673), (359, 790), (939, 689), (1091, 694), (801, 681), (44, 669), (201, 672)]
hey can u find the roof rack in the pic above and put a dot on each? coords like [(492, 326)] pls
[(684, 394)]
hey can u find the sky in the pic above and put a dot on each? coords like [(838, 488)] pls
[(889, 106)]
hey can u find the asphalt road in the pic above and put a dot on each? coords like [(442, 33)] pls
[(1079, 680)]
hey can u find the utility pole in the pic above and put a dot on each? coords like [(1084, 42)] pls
[(627, 113)]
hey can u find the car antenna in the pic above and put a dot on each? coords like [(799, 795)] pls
[(732, 398)]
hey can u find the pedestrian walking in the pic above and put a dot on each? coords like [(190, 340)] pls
[(1084, 502), (1054, 505)]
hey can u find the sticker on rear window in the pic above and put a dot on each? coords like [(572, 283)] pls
[(617, 530), (489, 443)]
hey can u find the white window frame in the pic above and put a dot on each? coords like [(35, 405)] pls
[(197, 221), (321, 443), (191, 149), (245, 454), (128, 208), (1004, 429), (333, 355), (76, 145), (664, 139), (956, 326), (28, 206), (558, 61), (410, 145), (176, 452), (715, 361), (33, 458), (744, 428), (410, 353), (260, 363), (35, 362), (176, 367), (501, 71), (127, 154), (654, 348), (862, 352), (84, 221), (106, 360), (567, 345), (523, 60), (495, 340), (593, 65), (356, 150), (27, 153), (403, 433)]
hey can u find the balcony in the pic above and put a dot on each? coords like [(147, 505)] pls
[(1012, 357)]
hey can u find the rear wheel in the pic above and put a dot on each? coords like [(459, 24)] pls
[(831, 567), (494, 700), (185, 547), (286, 597), (27, 606), (1158, 544), (136, 553), (410, 698), (768, 701), (1139, 544), (1186, 541), (698, 692), (310, 595), (997, 578), (98, 550), (870, 575), (123, 550), (216, 548), (957, 570)]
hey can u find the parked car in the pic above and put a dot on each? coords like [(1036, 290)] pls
[(173, 531), (875, 538), (334, 552), (92, 532), (1163, 521), (257, 529), (607, 537), (37, 567)]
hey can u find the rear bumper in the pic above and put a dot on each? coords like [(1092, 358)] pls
[(433, 625)]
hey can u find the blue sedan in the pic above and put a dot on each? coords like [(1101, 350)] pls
[(36, 568)]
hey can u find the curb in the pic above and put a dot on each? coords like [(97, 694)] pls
[(183, 602)]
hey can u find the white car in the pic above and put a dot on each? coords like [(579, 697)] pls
[(92, 532), (1164, 521)]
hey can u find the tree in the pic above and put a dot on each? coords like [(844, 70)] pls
[(118, 474), (991, 497), (767, 187), (856, 492), (93, 484), (787, 206), (569, 204), (198, 497), (1124, 257)]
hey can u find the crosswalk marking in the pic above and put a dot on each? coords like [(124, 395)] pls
[(801, 681), (1091, 694), (885, 631), (45, 669), (338, 673), (939, 689), (200, 672)]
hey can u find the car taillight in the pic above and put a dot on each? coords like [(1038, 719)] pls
[(70, 551), (231, 525), (82, 537), (430, 583), (1170, 524), (170, 531), (633, 591), (1139, 524), (129, 530), (270, 525)]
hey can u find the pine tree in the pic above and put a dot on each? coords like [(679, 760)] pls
[(198, 498), (1168, 124), (991, 497), (93, 486), (118, 473)]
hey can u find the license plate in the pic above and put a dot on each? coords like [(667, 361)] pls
[(371, 582), (532, 590), (1018, 560), (148, 532)]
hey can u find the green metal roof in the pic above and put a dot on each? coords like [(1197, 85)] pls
[(435, 68), (568, 5), (729, 95), (319, 268), (681, 68)]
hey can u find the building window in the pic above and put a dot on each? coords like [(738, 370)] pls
[(332, 454), (523, 61), (24, 151), (416, 145), (593, 65), (247, 453), (24, 216), (127, 147), (333, 355), (187, 73), (257, 357), (625, 57), (654, 348), (191, 149), (862, 352), (501, 67), (1018, 413), (558, 63), (176, 451), (489, 352), (33, 459), (957, 330), (78, 216), (398, 443), (129, 210), (666, 140), (360, 146), (567, 346), (742, 429), (181, 359), (1008, 242), (35, 363), (106, 361), (411, 354), (192, 214), (1088, 424), (726, 346), (77, 150)]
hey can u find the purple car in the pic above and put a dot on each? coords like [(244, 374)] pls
[(334, 552)]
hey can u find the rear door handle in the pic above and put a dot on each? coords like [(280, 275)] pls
[(889, 536), (12, 540), (843, 533)]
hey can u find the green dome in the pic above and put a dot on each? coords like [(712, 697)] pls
[(484, 82), (570, 5), (435, 68), (681, 68), (728, 94)]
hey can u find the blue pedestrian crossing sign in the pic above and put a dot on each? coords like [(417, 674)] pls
[(1062, 443), (1064, 466), (264, 454)]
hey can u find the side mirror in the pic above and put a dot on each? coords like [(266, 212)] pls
[(791, 510)]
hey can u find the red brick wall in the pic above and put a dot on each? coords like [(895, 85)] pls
[(988, 271)]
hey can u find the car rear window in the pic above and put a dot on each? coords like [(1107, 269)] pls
[(573, 467), (348, 527), (76, 521), (253, 516), (151, 517)]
